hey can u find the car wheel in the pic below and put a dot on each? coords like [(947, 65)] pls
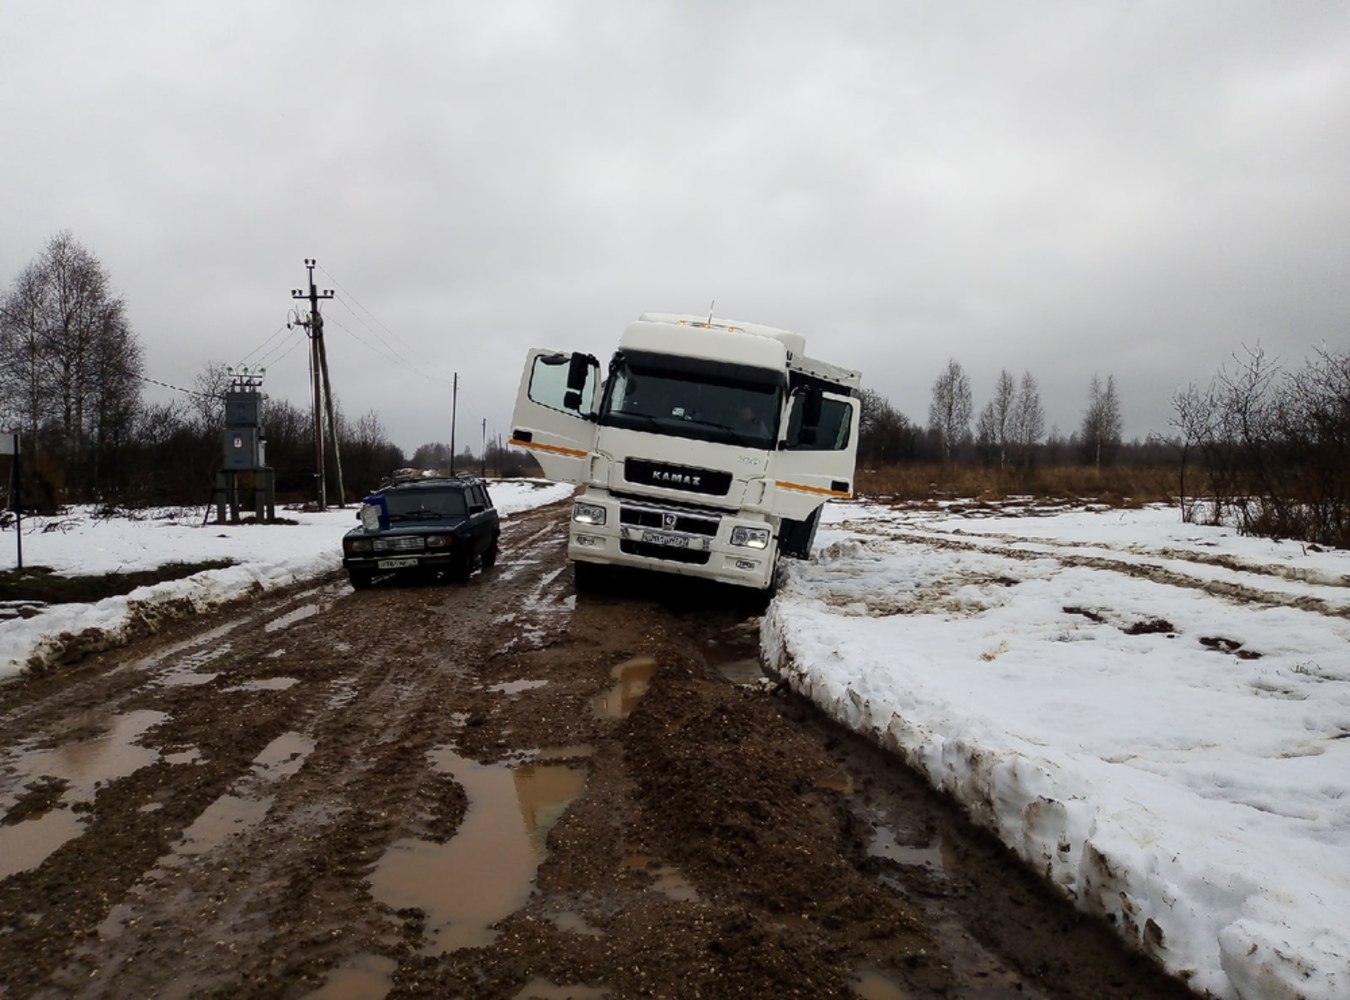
[(462, 568), (490, 556), (361, 578)]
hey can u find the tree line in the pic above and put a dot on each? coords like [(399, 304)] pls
[(72, 376), (1009, 433)]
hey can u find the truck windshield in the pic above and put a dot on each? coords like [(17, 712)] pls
[(684, 397)]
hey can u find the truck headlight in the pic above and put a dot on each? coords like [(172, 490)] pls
[(588, 513), (750, 538)]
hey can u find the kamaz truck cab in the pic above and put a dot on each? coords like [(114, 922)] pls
[(706, 448)]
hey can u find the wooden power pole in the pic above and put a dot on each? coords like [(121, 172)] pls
[(323, 389)]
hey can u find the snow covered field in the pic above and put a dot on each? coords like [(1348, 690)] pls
[(1155, 715), (267, 557)]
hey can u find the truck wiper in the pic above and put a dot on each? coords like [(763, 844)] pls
[(740, 437), (624, 415)]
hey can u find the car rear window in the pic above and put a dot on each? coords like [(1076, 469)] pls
[(447, 502)]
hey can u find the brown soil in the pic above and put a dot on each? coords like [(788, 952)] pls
[(496, 790)]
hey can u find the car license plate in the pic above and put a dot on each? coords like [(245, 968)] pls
[(670, 541), (396, 563)]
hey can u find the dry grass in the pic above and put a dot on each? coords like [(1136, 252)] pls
[(1117, 487)]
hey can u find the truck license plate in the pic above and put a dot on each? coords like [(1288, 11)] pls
[(670, 541), (396, 563)]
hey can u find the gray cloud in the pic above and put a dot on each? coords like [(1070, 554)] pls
[(1136, 189)]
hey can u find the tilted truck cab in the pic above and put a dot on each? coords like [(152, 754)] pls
[(707, 447)]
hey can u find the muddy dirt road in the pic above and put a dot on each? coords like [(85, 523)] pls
[(493, 790)]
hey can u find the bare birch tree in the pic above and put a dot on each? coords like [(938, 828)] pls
[(1028, 421), (68, 357), (993, 431), (949, 412), (1099, 439)]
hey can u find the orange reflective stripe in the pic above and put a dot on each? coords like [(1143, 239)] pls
[(811, 489), (548, 447)]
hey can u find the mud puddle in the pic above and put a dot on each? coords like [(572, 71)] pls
[(632, 679), (486, 871), (735, 655), (49, 787), (366, 977)]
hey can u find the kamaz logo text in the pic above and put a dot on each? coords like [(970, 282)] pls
[(683, 478)]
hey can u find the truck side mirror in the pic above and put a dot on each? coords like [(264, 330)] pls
[(577, 372), (572, 400), (812, 408)]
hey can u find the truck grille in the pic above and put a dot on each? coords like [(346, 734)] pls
[(668, 520), (400, 543)]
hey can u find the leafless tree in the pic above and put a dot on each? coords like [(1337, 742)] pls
[(1275, 446), (993, 431), (1028, 421), (368, 456), (208, 397), (1099, 439), (885, 435), (69, 359), (949, 412)]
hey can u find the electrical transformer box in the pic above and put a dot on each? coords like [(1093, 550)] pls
[(241, 409), (243, 448)]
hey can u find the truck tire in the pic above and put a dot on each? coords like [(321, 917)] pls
[(588, 577), (360, 578)]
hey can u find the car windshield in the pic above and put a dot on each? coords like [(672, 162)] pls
[(710, 402), (413, 504)]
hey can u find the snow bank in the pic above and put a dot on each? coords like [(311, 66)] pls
[(1175, 762)]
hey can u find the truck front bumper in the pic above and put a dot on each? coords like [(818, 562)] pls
[(669, 540)]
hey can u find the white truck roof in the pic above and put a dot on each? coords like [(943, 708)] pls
[(795, 344)]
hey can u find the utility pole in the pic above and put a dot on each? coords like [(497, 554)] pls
[(454, 405), (482, 458), (317, 363)]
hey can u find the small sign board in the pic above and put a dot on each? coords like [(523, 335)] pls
[(9, 443)]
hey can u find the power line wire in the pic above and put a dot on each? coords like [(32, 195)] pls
[(396, 359), (255, 350), (175, 388), (348, 296)]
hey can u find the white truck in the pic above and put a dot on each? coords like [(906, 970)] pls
[(707, 448)]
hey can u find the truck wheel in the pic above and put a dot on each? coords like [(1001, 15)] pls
[(588, 577), (360, 578), (490, 556)]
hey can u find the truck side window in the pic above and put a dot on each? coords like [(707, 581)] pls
[(831, 434), (548, 383)]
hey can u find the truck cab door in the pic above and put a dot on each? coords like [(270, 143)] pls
[(817, 452), (554, 417)]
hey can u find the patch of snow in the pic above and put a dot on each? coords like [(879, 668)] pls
[(1154, 715), (267, 557)]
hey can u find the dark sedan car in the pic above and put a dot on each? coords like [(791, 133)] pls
[(423, 527)]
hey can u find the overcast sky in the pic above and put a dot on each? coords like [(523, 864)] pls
[(1136, 189)]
